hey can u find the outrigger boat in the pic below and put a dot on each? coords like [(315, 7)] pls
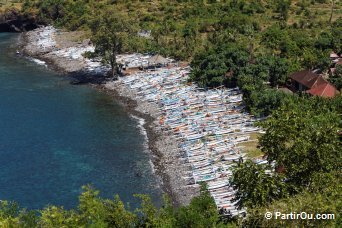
[(207, 123)]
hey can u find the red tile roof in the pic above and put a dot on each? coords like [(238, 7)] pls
[(323, 90), (306, 78), (316, 84)]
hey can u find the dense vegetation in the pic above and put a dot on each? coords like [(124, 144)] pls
[(94, 211), (182, 28), (303, 149), (252, 44), (9, 4)]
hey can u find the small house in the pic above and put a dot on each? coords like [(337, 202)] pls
[(157, 61), (334, 56), (312, 83)]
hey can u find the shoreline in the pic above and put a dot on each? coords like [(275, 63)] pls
[(155, 137), (158, 142), (194, 135)]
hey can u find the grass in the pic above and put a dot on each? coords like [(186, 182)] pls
[(254, 153), (6, 4), (75, 36), (251, 147)]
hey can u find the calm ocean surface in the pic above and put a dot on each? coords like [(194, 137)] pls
[(55, 137)]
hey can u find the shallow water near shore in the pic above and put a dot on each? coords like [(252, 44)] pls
[(55, 137)]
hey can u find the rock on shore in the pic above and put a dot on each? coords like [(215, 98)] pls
[(13, 21)]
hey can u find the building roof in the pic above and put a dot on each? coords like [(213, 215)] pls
[(307, 78), (333, 55), (316, 84), (323, 90), (157, 59)]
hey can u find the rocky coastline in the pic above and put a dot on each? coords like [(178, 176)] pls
[(54, 47), (14, 21)]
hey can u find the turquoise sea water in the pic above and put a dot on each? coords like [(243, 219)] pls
[(55, 137)]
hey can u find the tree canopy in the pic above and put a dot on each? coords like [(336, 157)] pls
[(302, 136), (303, 148), (94, 211), (111, 31)]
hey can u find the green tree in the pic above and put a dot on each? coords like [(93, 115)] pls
[(324, 41), (8, 213), (336, 77), (322, 200), (111, 30), (256, 185), (301, 136), (219, 66), (202, 212), (92, 208), (51, 10), (283, 7), (262, 102), (336, 31), (189, 34), (93, 211), (273, 38), (53, 216), (210, 72), (278, 69), (316, 59)]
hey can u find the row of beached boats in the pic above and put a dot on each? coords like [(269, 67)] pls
[(133, 60), (208, 124)]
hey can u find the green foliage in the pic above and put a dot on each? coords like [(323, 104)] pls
[(222, 67), (314, 59), (273, 37), (322, 201), (256, 185), (262, 102), (231, 65), (211, 71), (303, 145), (336, 77), (302, 137), (201, 212), (283, 7), (94, 211), (111, 31), (8, 209), (336, 32), (53, 216), (70, 14), (181, 28)]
